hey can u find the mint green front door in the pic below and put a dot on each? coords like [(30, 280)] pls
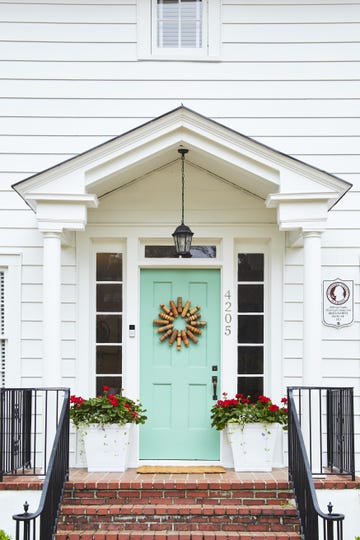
[(177, 386)]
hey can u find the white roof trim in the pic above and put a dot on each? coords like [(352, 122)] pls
[(213, 147)]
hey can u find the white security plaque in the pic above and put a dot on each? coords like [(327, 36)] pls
[(338, 302)]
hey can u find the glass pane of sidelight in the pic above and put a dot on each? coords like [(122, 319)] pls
[(250, 360), (109, 359), (250, 298), (250, 267), (109, 267), (108, 328), (251, 386), (250, 329), (114, 384), (109, 297)]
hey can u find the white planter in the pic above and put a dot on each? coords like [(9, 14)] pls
[(252, 445), (106, 447)]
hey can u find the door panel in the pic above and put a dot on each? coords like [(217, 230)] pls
[(176, 386)]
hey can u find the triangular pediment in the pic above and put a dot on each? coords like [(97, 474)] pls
[(228, 155)]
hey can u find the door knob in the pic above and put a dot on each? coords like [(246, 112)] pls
[(214, 381)]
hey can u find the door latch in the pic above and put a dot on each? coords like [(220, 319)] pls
[(214, 381)]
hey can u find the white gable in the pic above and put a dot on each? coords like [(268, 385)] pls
[(232, 157)]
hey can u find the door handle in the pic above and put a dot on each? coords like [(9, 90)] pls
[(214, 381)]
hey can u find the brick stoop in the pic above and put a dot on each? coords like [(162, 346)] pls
[(199, 507)]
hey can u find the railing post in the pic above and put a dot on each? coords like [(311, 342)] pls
[(330, 523), (26, 522)]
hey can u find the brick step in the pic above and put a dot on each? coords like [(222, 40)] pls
[(251, 500), (244, 493), (178, 509), (175, 535), (179, 517)]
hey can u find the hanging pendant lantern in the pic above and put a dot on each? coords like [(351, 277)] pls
[(183, 234)]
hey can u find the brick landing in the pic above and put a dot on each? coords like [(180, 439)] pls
[(23, 482), (277, 475)]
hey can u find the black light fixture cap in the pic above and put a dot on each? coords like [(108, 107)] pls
[(183, 229)]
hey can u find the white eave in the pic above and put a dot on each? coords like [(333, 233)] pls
[(240, 160)]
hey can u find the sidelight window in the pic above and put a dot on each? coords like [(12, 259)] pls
[(109, 315), (250, 291)]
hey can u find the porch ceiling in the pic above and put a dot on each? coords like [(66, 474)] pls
[(104, 180)]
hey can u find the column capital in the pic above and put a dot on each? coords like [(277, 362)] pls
[(62, 211), (301, 211), (52, 233), (311, 233)]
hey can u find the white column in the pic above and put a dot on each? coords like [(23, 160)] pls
[(312, 309), (52, 309)]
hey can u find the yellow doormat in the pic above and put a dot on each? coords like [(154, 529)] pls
[(156, 469)]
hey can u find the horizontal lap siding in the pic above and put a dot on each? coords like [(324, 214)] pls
[(288, 76), (29, 34)]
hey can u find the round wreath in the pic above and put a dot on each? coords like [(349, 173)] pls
[(170, 332)]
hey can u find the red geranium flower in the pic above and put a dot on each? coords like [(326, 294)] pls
[(106, 409), (274, 408), (243, 410)]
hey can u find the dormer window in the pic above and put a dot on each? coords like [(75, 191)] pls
[(179, 29)]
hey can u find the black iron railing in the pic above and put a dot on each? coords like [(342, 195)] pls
[(326, 417), (28, 422), (306, 417), (46, 427), (15, 430), (42, 523), (340, 429)]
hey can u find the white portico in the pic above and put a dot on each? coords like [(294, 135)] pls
[(95, 198)]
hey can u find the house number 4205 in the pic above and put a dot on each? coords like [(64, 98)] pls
[(227, 313)]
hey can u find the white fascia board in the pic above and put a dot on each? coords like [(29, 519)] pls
[(294, 182), (87, 199), (275, 199)]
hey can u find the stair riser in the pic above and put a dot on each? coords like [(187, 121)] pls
[(177, 535), (191, 497), (171, 522)]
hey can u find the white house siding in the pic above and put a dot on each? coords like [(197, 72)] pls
[(287, 76)]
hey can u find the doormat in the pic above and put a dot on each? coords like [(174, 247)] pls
[(174, 469)]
